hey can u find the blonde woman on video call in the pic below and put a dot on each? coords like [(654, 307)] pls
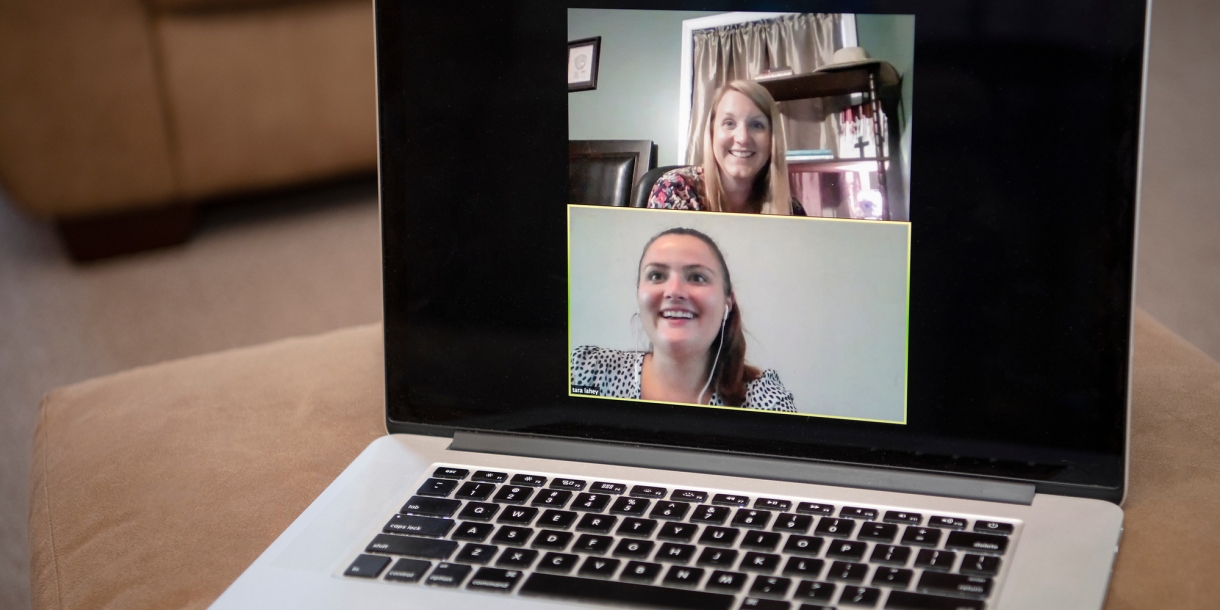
[(744, 168), (690, 315)]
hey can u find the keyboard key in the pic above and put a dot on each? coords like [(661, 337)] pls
[(803, 545), (430, 507), (552, 498), (475, 532), (851, 572), (760, 541), (410, 525), (494, 579), (772, 504), (551, 539), (726, 581), (771, 586), (904, 600), (952, 523), (676, 553), (512, 535), (648, 491), (670, 510), (680, 576), (476, 553), (558, 562), (921, 536), (640, 571), (891, 555), (730, 500), (367, 566), (475, 491), (594, 503), (754, 603), (601, 524), (630, 506), (514, 494), (588, 543), (846, 549), (557, 519), (895, 516), (622, 593), (408, 570), (448, 575), (599, 567), (679, 532), (719, 536), (979, 543), (880, 532), (687, 495), (993, 527), (705, 513), (897, 578), (639, 528), (935, 560), (838, 528), (814, 508), (568, 484), (517, 559), (489, 476), (955, 584), (718, 557), (854, 512), (439, 488), (759, 562), (980, 565), (602, 487), (788, 522), (445, 472), (859, 596), (528, 480), (812, 591), (803, 567), (479, 511), (517, 515), (635, 549), (747, 517)]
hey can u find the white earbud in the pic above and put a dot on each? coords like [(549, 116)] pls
[(727, 309)]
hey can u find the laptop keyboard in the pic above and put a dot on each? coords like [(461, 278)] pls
[(644, 545)]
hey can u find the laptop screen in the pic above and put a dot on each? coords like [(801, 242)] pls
[(877, 233)]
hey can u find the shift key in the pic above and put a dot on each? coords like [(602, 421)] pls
[(412, 525), (411, 547)]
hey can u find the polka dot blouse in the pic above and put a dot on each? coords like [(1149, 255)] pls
[(609, 372)]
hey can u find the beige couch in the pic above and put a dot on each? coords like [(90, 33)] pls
[(114, 106), (156, 487)]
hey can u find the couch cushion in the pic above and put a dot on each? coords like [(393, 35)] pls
[(156, 487)]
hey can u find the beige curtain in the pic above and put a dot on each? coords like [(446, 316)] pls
[(742, 51)]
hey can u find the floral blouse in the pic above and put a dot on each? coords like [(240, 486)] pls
[(682, 189)]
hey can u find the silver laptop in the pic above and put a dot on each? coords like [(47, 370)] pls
[(766, 344)]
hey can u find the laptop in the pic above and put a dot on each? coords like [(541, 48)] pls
[(832, 309)]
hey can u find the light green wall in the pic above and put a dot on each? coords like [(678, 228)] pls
[(638, 77), (892, 38)]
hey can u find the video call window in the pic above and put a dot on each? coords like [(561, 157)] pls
[(739, 219)]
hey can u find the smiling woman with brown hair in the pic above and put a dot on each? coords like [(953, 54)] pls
[(744, 168), (689, 312)]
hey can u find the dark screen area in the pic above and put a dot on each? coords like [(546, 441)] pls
[(1024, 169)]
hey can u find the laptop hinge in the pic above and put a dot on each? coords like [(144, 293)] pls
[(777, 469)]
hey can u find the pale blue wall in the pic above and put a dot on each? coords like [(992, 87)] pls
[(638, 77)]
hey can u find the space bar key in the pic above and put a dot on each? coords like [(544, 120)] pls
[(587, 589)]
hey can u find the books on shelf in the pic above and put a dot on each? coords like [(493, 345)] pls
[(857, 133), (797, 156), (773, 74)]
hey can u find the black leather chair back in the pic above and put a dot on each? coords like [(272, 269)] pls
[(603, 172)]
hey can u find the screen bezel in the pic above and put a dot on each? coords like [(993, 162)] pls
[(1052, 468)]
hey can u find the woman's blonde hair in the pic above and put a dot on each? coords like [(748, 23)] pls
[(771, 192)]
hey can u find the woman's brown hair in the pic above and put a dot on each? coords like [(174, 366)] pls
[(731, 373)]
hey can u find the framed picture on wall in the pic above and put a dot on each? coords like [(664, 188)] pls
[(583, 56)]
